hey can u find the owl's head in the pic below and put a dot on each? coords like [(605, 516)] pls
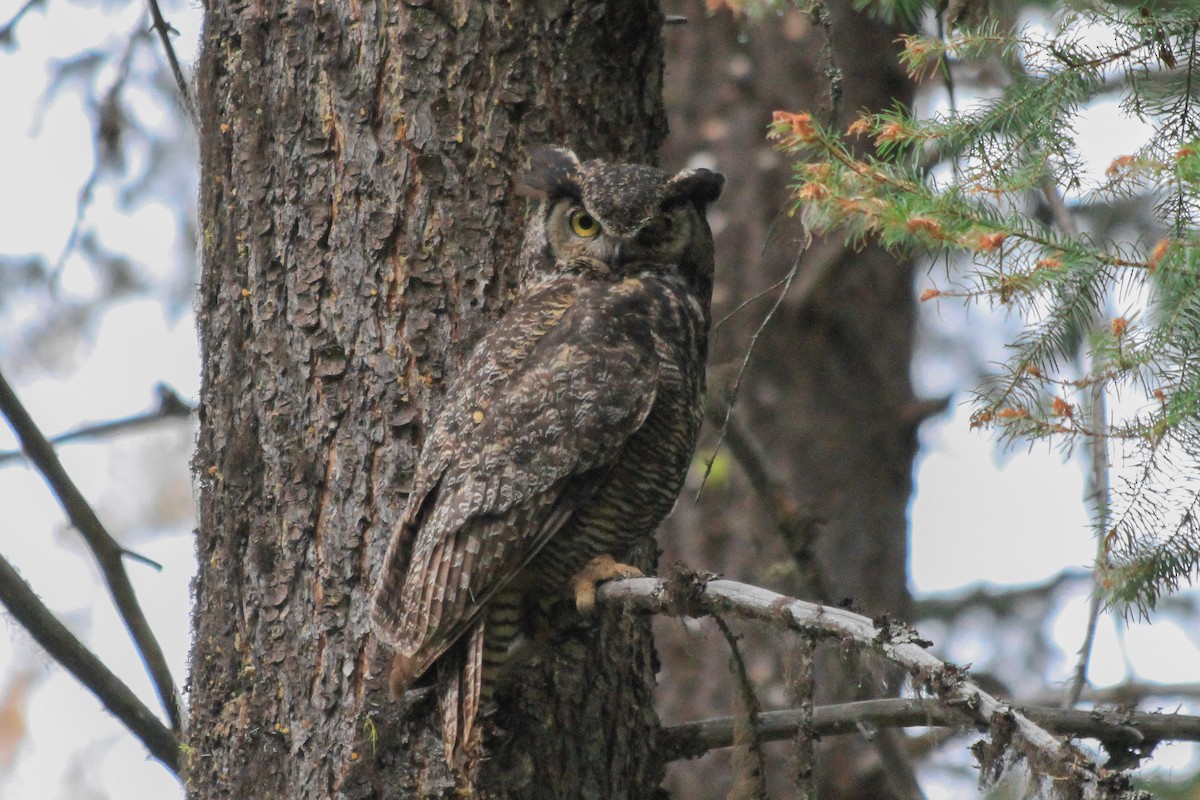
[(617, 218)]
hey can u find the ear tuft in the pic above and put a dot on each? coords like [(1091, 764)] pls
[(699, 186), (553, 172)]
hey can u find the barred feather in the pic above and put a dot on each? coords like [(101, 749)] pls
[(567, 433)]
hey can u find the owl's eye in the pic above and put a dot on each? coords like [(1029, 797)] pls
[(584, 224)]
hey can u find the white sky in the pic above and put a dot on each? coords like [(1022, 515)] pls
[(976, 516)]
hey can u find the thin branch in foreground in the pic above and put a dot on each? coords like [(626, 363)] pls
[(63, 647), (1066, 765), (170, 406), (108, 552)]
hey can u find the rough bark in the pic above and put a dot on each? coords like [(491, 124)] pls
[(828, 391), (358, 221)]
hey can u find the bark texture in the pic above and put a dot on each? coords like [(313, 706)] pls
[(827, 393), (359, 223)]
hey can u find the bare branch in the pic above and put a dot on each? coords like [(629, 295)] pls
[(64, 648), (164, 30), (694, 596), (801, 686), (170, 406), (693, 739), (749, 767), (737, 381), (108, 552)]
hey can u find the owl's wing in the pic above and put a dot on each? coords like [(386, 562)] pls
[(538, 415)]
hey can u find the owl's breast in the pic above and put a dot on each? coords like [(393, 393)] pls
[(640, 485)]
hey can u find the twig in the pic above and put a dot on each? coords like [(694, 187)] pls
[(1047, 754), (801, 687), (1099, 491), (108, 552), (693, 739), (1098, 483), (163, 29), (170, 406), (64, 648), (749, 768), (737, 382)]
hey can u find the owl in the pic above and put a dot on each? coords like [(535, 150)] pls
[(565, 437)]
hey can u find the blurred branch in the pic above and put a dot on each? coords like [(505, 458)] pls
[(798, 526), (1120, 730), (1002, 602), (949, 686), (108, 552), (1123, 694), (64, 648), (170, 406), (110, 125), (164, 31), (7, 34)]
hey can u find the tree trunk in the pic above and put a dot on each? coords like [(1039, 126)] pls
[(358, 220), (827, 392)]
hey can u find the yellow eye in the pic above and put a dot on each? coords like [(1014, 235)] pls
[(584, 224)]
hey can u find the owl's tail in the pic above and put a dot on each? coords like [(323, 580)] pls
[(467, 676)]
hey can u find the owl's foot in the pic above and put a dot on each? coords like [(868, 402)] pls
[(598, 570)]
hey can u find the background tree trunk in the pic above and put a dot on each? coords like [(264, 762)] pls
[(827, 392), (359, 225)]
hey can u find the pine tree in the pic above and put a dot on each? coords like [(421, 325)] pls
[(998, 189)]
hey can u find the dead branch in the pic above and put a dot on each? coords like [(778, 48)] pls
[(1126, 729), (68, 651), (170, 406), (801, 686), (949, 686), (164, 30), (750, 779), (108, 552)]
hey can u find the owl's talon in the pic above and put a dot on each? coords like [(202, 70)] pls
[(598, 570)]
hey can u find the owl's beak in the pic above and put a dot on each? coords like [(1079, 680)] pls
[(619, 254)]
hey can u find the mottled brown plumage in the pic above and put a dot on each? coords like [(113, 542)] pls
[(566, 435)]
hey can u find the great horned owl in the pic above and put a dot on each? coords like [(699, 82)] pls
[(566, 436)]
